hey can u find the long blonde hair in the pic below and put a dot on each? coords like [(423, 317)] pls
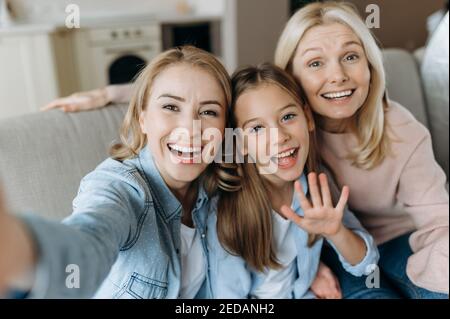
[(131, 137), (369, 122), (244, 218)]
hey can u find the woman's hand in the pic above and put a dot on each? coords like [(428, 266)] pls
[(4, 262), (17, 255), (320, 216), (326, 285), (82, 101)]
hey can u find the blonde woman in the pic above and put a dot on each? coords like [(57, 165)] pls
[(137, 230), (373, 145)]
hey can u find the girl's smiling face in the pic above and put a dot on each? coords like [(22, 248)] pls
[(331, 65), (184, 102), (269, 109)]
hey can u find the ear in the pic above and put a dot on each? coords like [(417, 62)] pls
[(309, 118)]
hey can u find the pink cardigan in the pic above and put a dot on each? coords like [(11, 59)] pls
[(405, 193)]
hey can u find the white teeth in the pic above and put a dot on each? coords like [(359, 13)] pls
[(286, 154), (335, 95), (185, 149)]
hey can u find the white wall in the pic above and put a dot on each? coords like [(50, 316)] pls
[(251, 29)]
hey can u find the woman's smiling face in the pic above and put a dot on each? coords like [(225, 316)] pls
[(331, 65), (184, 102), (263, 111)]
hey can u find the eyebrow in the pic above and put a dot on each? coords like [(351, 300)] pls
[(346, 44), (257, 118), (178, 98), (352, 42), (311, 49)]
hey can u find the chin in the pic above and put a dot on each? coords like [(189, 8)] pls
[(186, 174), (291, 176)]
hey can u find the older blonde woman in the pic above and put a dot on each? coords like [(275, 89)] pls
[(375, 146)]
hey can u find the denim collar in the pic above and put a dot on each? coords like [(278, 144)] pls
[(295, 199), (169, 204)]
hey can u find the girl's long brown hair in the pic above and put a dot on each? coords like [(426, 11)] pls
[(244, 218)]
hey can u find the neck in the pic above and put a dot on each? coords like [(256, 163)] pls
[(280, 193), (178, 189), (333, 125), (186, 195), (179, 192)]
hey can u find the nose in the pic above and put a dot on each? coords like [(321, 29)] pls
[(282, 136), (189, 128), (337, 74)]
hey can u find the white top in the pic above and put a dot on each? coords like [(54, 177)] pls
[(280, 283), (193, 262)]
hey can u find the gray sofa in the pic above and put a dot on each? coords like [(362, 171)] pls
[(43, 156)]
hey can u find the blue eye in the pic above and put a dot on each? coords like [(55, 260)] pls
[(256, 129), (315, 64), (288, 117), (351, 57), (170, 107), (209, 113)]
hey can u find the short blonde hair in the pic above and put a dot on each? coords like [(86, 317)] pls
[(369, 123), (131, 137)]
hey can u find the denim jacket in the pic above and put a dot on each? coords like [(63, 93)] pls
[(231, 277), (122, 240)]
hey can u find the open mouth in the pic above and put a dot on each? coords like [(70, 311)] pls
[(186, 154), (338, 96), (286, 158)]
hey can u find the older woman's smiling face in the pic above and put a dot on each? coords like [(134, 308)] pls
[(331, 65)]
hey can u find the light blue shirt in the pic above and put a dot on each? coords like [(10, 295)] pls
[(232, 278)]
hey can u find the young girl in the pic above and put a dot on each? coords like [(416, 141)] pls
[(256, 252), (137, 230), (375, 146)]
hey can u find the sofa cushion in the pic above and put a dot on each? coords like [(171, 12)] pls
[(435, 78), (43, 156), (403, 82)]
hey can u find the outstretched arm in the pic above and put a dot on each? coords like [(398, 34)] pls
[(89, 100), (16, 246), (105, 217)]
